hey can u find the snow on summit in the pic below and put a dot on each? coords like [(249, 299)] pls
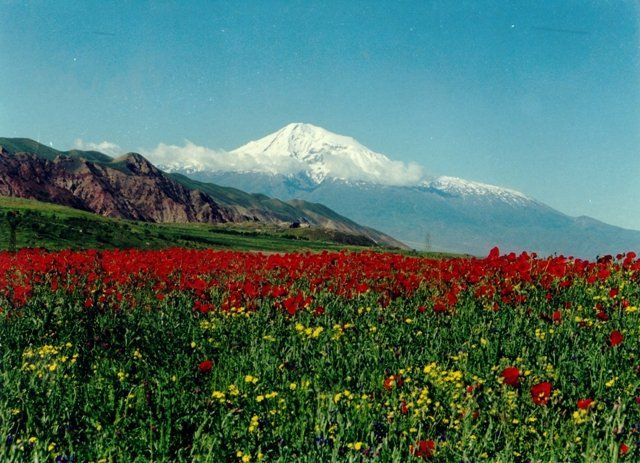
[(328, 155)]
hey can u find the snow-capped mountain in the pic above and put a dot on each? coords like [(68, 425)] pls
[(305, 151), (322, 154), (442, 213)]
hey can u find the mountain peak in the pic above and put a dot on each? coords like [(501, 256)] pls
[(136, 163), (300, 140), (322, 154), (302, 132), (302, 127)]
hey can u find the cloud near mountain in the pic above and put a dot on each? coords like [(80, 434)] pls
[(192, 157), (105, 147), (388, 172)]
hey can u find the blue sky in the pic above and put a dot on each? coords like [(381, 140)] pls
[(543, 97)]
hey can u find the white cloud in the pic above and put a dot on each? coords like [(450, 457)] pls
[(105, 147), (200, 158), (383, 171)]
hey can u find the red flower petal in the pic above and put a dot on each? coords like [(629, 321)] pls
[(423, 449), (205, 367), (615, 338), (511, 376), (624, 449), (541, 392), (584, 404)]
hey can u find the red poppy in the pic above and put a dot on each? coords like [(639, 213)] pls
[(556, 316), (393, 380), (202, 307), (423, 449), (439, 307), (541, 392), (615, 338), (624, 449), (205, 367), (291, 305), (603, 274), (362, 287), (403, 408), (511, 376), (584, 404)]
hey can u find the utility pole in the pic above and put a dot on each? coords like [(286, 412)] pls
[(427, 242)]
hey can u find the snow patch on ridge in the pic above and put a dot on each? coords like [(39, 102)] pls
[(461, 187)]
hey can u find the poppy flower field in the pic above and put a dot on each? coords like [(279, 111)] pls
[(222, 356)]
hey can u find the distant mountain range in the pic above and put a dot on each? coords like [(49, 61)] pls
[(131, 187), (444, 213)]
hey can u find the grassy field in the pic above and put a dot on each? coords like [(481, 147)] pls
[(57, 227), (180, 356)]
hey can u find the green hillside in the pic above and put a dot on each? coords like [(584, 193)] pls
[(26, 145), (57, 227)]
